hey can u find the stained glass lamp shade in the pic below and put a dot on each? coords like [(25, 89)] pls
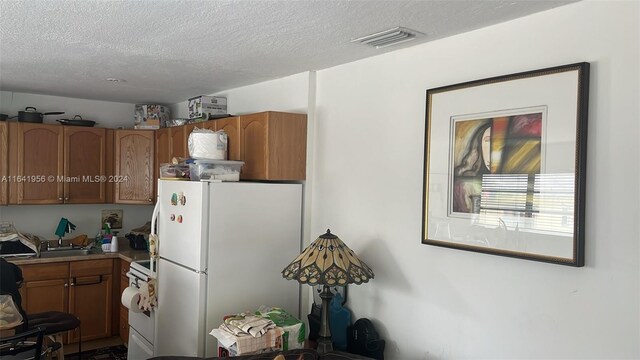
[(329, 262)]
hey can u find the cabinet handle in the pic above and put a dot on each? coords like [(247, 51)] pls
[(66, 285), (66, 198), (90, 283), (149, 200), (60, 199)]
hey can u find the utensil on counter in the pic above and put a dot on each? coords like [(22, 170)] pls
[(77, 121), (31, 115)]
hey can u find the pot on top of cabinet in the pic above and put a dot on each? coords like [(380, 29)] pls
[(31, 115)]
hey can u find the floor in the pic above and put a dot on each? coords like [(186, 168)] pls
[(93, 344)]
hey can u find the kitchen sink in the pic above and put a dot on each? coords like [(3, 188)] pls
[(64, 252)]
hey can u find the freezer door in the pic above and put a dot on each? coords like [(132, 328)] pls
[(180, 315), (183, 226)]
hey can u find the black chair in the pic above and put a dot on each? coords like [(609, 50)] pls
[(55, 324), (22, 346), (52, 323)]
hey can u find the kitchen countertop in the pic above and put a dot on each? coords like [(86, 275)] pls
[(128, 255)]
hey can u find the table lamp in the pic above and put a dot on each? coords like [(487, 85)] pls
[(328, 262)]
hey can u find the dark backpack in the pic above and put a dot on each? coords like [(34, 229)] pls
[(363, 339), (10, 281)]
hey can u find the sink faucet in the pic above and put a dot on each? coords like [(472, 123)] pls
[(60, 242)]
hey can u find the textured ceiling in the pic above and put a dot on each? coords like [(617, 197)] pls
[(168, 51)]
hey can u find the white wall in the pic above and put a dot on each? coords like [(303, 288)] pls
[(42, 220), (438, 303), (285, 94), (106, 113)]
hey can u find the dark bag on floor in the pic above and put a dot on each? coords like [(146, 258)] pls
[(363, 339)]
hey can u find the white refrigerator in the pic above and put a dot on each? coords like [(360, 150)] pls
[(222, 247)]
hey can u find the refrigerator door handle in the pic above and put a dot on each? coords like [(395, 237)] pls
[(152, 258)]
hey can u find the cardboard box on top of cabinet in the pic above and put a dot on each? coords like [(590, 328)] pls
[(202, 107), (151, 116)]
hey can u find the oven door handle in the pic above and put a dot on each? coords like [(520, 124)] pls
[(141, 345)]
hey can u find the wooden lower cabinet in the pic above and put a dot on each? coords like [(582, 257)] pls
[(45, 295), (83, 288), (45, 288), (123, 324), (90, 301)]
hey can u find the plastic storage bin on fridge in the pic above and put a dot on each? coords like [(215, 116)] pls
[(224, 170)]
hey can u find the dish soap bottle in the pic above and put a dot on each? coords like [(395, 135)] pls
[(106, 238)]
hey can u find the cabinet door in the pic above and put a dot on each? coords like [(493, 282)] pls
[(39, 156), (90, 300), (231, 127), (253, 146), (163, 148), (45, 287), (134, 167), (84, 165), (273, 146), (178, 143), (121, 313), (45, 295), (4, 163)]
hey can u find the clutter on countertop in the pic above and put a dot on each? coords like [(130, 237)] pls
[(15, 243), (137, 241)]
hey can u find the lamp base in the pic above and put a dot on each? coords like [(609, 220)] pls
[(324, 339), (324, 345)]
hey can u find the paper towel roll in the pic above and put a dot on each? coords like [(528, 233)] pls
[(130, 297)]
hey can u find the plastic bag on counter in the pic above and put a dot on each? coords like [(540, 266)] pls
[(9, 315), (208, 144)]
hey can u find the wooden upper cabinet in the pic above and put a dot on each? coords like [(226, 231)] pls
[(4, 163), (134, 174), (273, 146), (231, 127), (178, 142), (54, 164), (37, 160), (163, 148), (84, 165)]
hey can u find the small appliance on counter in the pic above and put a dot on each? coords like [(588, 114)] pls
[(137, 241)]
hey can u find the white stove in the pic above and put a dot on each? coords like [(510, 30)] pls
[(141, 324)]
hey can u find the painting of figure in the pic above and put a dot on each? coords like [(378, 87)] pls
[(503, 143)]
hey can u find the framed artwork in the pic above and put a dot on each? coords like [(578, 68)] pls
[(505, 165), (113, 217)]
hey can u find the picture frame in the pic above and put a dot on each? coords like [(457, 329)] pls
[(505, 165), (113, 217)]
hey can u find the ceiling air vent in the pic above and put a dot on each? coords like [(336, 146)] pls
[(389, 37)]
